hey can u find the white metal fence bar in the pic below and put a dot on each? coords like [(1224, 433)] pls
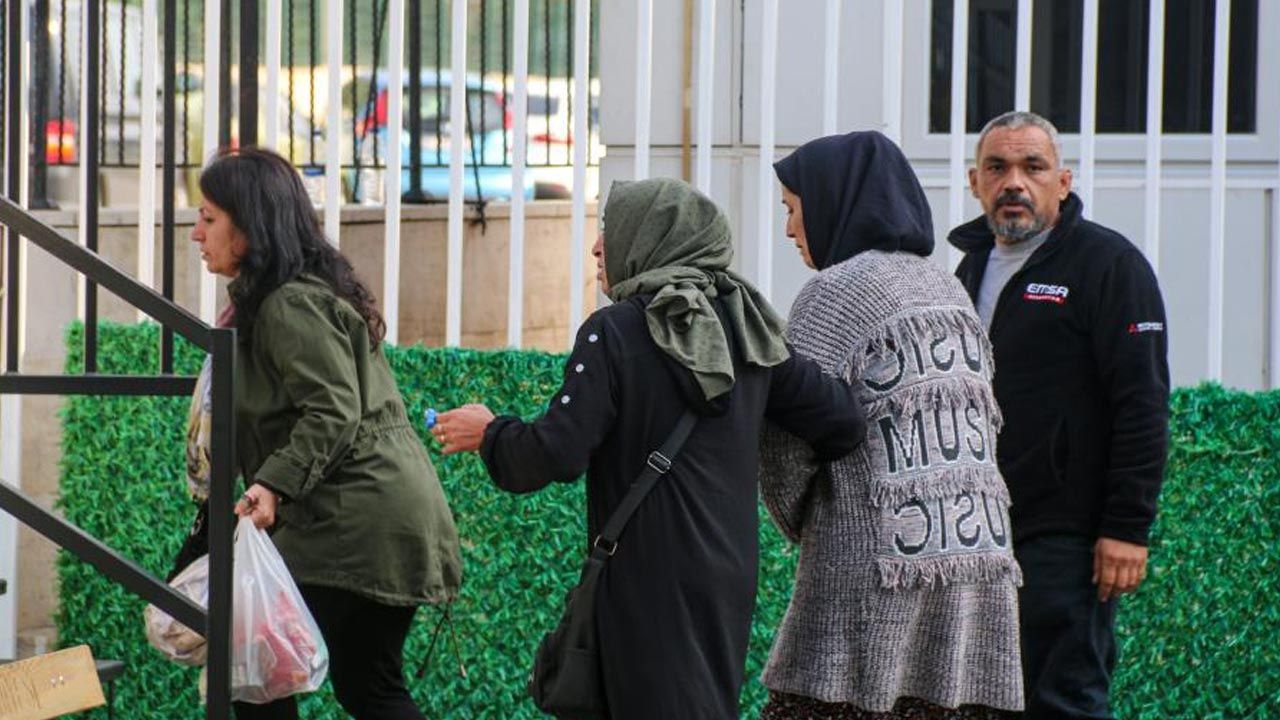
[(147, 148), (520, 144), (893, 27), (831, 67), (457, 139), (11, 473), (82, 170), (391, 179), (271, 102), (11, 405), (581, 142), (644, 85), (1218, 182), (959, 78), (211, 82), (1274, 315), (768, 100), (706, 86), (1155, 131), (333, 122), (1088, 103), (1022, 68), (210, 97)]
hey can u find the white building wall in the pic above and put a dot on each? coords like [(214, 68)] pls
[(1252, 237)]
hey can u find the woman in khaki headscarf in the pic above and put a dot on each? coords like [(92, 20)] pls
[(675, 601)]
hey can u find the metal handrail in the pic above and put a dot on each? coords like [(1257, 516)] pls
[(102, 272), (215, 622)]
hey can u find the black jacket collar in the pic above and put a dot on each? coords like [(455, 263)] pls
[(976, 235)]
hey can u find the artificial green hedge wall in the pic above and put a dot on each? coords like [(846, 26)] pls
[(1199, 641)]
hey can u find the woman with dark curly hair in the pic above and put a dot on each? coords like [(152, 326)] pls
[(323, 439)]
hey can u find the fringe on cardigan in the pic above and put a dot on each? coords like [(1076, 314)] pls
[(923, 324), (940, 483), (952, 392), (942, 570)]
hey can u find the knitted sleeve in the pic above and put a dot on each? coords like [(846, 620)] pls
[(788, 465)]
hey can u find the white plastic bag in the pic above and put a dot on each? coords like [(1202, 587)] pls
[(174, 640), (276, 647)]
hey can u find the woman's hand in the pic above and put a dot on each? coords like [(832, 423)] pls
[(259, 504), (462, 429)]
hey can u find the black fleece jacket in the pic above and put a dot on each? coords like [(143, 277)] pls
[(1082, 378)]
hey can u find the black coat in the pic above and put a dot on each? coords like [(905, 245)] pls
[(675, 603), (1082, 378)]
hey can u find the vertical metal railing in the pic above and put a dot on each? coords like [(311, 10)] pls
[(1155, 132), (89, 180), (147, 147), (581, 98), (644, 84), (959, 118), (515, 269), (168, 177), (1022, 63), (1086, 175), (14, 92), (333, 123), (706, 94), (893, 74), (766, 212), (212, 98), (1218, 186), (457, 119), (391, 194), (11, 407)]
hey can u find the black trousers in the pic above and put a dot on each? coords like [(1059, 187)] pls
[(366, 658), (1068, 636)]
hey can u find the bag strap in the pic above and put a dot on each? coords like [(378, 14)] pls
[(657, 465)]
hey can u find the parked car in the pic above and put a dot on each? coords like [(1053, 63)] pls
[(487, 172)]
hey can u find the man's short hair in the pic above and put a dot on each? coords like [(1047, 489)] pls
[(1015, 119)]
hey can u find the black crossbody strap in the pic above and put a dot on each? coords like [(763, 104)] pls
[(657, 465)]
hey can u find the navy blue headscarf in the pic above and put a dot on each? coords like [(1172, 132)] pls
[(859, 193)]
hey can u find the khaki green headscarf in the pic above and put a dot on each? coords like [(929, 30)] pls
[(663, 237)]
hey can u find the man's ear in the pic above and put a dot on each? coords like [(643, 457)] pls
[(973, 181)]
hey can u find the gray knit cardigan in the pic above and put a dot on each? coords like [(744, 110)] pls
[(906, 584)]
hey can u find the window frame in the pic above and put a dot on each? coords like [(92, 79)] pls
[(1261, 146)]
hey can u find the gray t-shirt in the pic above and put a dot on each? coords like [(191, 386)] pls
[(1004, 261)]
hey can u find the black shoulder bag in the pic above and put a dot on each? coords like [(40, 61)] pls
[(566, 680)]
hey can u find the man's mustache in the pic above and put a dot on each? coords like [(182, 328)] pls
[(1015, 199)]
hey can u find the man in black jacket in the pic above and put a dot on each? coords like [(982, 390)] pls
[(1078, 327)]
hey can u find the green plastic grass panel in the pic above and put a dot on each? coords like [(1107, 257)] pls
[(1201, 639)]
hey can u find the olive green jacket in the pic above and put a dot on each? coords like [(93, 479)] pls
[(320, 421)]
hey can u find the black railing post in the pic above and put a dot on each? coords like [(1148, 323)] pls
[(40, 106), (224, 78), (249, 73), (414, 194), (12, 173), (90, 157), (169, 175), (221, 492)]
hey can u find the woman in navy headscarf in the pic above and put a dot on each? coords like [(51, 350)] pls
[(905, 595)]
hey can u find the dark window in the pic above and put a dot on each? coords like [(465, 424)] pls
[(1057, 35)]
